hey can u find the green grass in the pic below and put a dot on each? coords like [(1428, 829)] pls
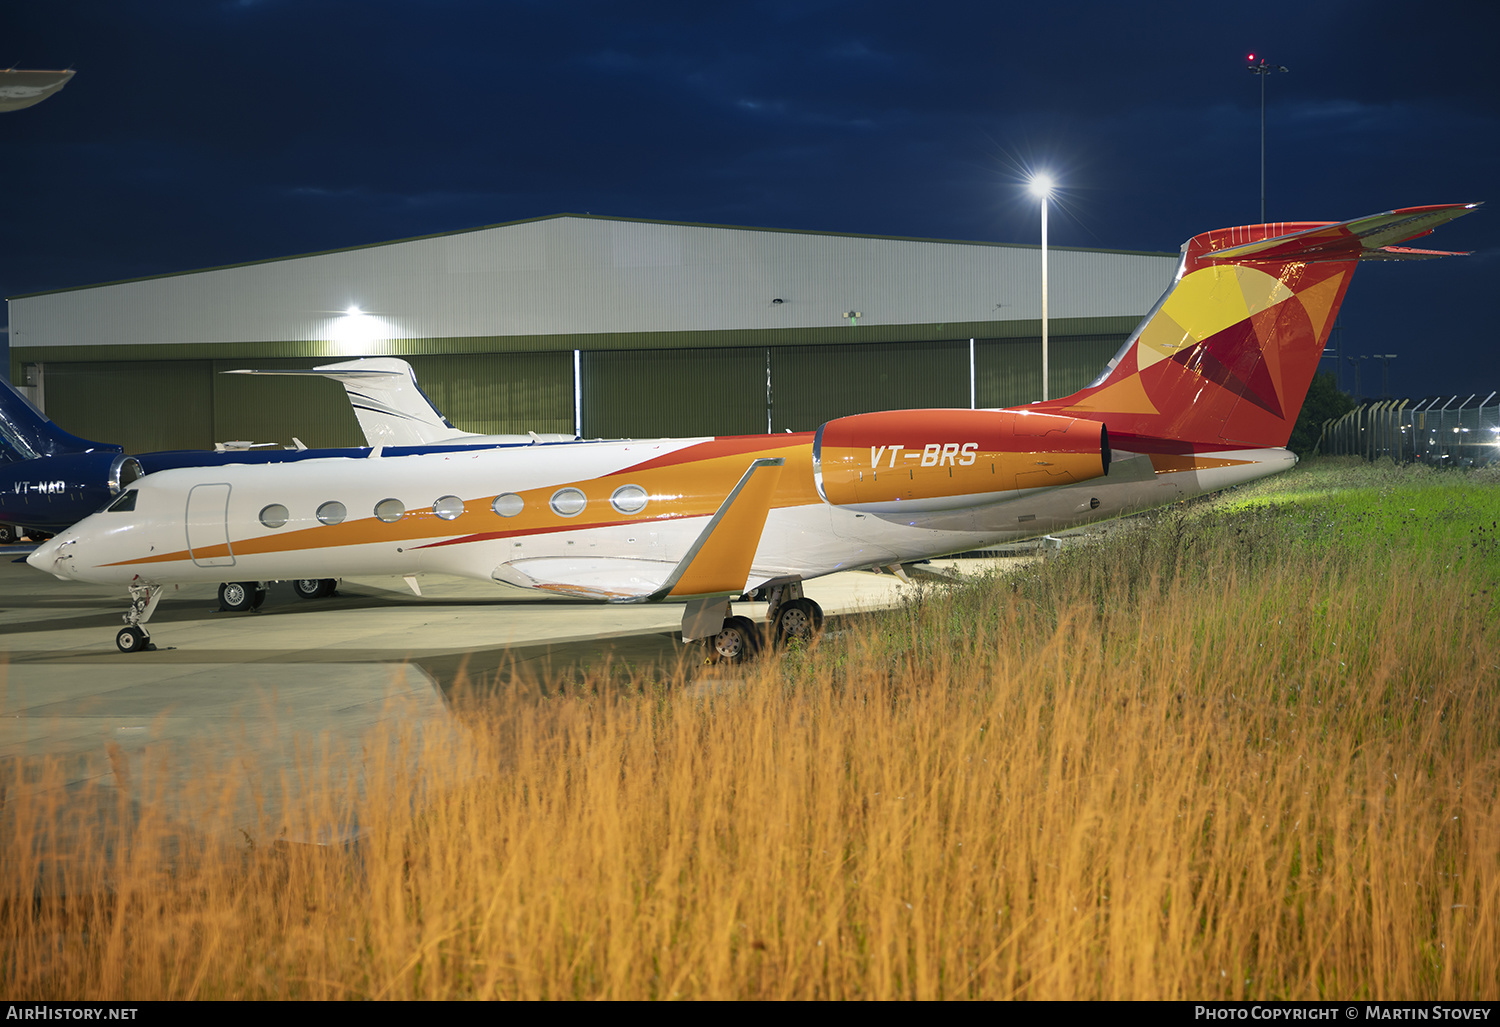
[(1409, 509)]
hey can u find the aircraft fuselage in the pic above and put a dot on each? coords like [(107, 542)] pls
[(611, 518)]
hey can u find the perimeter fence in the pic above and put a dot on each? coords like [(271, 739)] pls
[(1445, 431)]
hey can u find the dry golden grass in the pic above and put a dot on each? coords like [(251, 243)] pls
[(1185, 765)]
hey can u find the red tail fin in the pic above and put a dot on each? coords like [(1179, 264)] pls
[(1227, 355)]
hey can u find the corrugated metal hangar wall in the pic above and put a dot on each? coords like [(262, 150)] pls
[(674, 329)]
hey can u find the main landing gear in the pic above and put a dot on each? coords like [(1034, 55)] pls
[(238, 596), (133, 638), (791, 619), (314, 588), (738, 642)]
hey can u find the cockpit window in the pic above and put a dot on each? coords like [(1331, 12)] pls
[(125, 501)]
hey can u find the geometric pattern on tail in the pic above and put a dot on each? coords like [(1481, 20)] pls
[(1222, 358)]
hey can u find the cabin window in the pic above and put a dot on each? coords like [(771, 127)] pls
[(125, 503), (568, 502), (332, 512), (390, 510), (508, 504), (448, 507), (629, 499), (273, 516)]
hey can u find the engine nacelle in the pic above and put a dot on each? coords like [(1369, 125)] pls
[(911, 460), (56, 491)]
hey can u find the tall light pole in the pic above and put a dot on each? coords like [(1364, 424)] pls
[(1355, 363), (1263, 69), (1385, 372), (1041, 187)]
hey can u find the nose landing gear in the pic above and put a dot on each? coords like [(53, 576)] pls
[(133, 638)]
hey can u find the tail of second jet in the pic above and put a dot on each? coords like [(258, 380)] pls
[(26, 433), (392, 409), (1226, 356)]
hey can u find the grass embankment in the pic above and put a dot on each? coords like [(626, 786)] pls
[(1250, 750)]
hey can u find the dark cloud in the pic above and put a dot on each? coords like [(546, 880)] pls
[(199, 134)]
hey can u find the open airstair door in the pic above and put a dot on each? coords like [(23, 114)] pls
[(716, 564)]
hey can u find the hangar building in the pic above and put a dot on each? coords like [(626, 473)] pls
[(610, 327)]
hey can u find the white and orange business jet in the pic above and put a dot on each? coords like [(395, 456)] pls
[(1203, 395)]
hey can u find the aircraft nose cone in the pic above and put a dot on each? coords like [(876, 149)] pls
[(45, 557)]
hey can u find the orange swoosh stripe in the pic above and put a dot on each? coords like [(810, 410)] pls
[(677, 489)]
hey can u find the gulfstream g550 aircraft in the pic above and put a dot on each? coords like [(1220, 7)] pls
[(1203, 395)]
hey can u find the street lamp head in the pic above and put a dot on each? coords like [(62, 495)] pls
[(1040, 186), (1263, 68)]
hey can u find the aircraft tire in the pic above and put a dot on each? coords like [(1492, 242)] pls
[(800, 619), (314, 588), (238, 596), (9, 533), (737, 642), (133, 640)]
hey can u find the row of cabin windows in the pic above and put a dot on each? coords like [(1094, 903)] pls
[(567, 502)]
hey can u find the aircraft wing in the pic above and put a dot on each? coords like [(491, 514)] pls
[(1366, 238), (716, 564)]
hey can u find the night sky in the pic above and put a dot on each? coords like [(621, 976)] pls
[(201, 133)]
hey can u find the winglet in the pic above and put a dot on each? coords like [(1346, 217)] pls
[(718, 563)]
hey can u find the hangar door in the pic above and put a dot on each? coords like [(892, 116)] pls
[(152, 405), (1008, 372), (500, 393), (814, 384), (671, 393), (145, 405)]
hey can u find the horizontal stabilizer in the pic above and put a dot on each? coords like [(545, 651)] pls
[(350, 375), (1367, 238), (1407, 253)]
